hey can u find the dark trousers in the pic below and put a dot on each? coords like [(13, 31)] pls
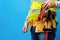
[(37, 36), (52, 34)]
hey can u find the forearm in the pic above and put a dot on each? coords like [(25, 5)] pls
[(57, 4), (26, 19)]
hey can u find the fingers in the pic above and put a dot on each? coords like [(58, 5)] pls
[(46, 5), (24, 29)]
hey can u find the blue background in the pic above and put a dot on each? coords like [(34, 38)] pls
[(12, 17)]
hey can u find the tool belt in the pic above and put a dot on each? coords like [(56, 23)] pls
[(45, 23), (48, 18)]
